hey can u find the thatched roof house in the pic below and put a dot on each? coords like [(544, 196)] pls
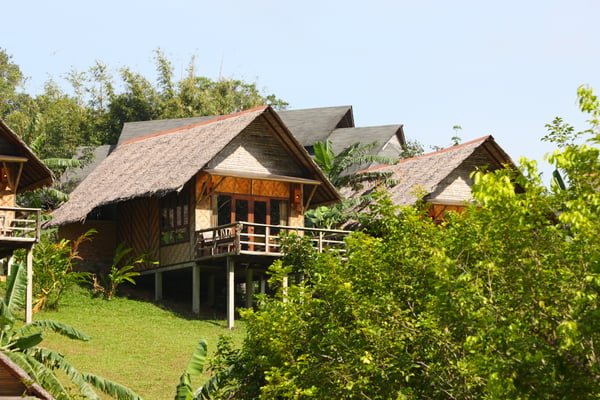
[(197, 196), (164, 161), (15, 383), (443, 176)]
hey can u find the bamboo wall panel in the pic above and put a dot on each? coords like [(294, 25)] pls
[(9, 384), (235, 185), (257, 151), (98, 253), (175, 254), (203, 213), (271, 188), (139, 227)]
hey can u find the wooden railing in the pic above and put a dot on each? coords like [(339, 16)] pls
[(259, 239), (20, 224)]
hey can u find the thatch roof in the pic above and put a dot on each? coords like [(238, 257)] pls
[(165, 161), (18, 382), (425, 173), (35, 173)]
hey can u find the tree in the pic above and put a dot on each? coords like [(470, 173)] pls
[(21, 345), (498, 302)]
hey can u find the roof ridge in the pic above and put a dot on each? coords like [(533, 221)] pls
[(433, 153), (207, 122)]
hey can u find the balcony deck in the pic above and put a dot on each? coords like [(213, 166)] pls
[(19, 228), (255, 240)]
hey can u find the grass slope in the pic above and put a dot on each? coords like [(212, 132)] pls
[(135, 343)]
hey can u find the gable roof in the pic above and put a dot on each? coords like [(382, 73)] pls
[(316, 124), (164, 162), (15, 382), (35, 174), (344, 137), (425, 173)]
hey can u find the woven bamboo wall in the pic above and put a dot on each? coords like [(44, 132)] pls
[(98, 253), (9, 384), (257, 151), (139, 227), (175, 254)]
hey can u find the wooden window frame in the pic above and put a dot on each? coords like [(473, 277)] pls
[(175, 216)]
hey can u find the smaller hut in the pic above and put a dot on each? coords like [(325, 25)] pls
[(442, 177)]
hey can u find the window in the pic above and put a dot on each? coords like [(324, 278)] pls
[(175, 217)]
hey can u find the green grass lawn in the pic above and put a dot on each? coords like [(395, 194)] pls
[(138, 344)]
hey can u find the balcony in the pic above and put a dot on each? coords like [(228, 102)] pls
[(19, 228), (245, 238)]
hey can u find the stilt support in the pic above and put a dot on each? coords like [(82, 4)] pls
[(158, 286), (196, 289), (29, 292), (249, 287), (230, 293)]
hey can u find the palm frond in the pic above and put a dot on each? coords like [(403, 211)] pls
[(55, 326), (16, 288), (111, 388), (62, 162), (55, 360)]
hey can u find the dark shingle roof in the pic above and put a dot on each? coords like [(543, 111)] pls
[(316, 124), (132, 130), (344, 137)]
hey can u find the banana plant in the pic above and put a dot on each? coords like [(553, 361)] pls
[(21, 345)]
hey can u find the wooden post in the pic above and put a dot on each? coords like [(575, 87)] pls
[(230, 292), (196, 289), (249, 287), (29, 293), (158, 286)]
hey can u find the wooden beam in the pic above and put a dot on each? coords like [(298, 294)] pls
[(310, 196)]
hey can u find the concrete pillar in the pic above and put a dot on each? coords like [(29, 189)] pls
[(158, 286), (249, 287), (29, 293), (263, 285), (211, 290), (284, 288), (230, 293), (196, 289)]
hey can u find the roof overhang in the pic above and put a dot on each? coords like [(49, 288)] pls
[(264, 177)]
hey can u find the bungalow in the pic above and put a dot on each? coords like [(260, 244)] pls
[(20, 171), (207, 199), (443, 177)]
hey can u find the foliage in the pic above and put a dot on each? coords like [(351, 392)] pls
[(121, 271), (340, 168), (54, 268), (21, 345), (498, 302)]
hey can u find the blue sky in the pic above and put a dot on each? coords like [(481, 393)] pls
[(504, 68)]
